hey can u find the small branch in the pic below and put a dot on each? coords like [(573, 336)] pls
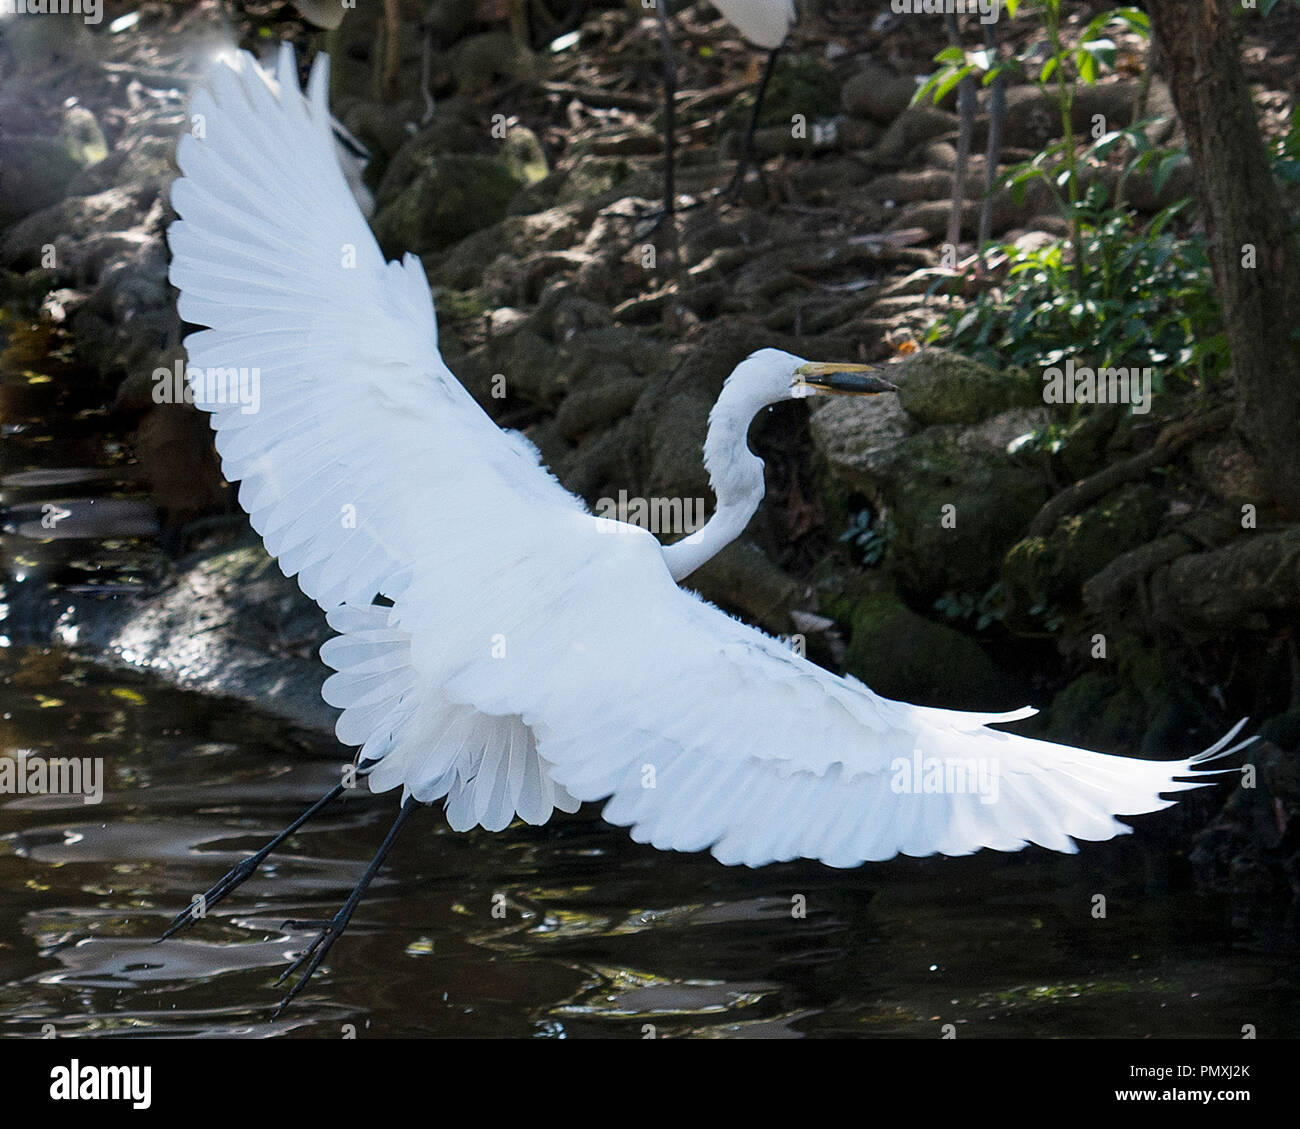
[(1170, 441)]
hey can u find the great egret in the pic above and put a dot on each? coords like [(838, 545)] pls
[(765, 24), (536, 656)]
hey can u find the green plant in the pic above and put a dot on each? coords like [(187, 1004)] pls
[(1148, 300), (871, 542), (966, 606), (1060, 164)]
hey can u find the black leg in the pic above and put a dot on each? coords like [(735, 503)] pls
[(245, 870), (647, 223), (332, 930), (670, 111), (747, 154)]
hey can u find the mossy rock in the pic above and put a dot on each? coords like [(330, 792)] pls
[(590, 178), (1139, 702), (1050, 571), (955, 512), (451, 197), (902, 655), (1097, 710), (800, 84), (478, 61), (937, 386), (524, 156)]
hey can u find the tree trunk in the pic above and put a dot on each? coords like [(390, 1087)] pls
[(1242, 209)]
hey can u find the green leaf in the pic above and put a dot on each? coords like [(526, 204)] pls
[(950, 82), (1164, 169)]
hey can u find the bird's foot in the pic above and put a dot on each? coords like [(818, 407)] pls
[(329, 931), (242, 871), (231, 880)]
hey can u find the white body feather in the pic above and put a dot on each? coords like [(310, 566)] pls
[(765, 23), (535, 655)]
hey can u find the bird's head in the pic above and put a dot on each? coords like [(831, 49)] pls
[(773, 375)]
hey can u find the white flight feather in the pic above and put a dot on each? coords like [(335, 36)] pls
[(532, 658)]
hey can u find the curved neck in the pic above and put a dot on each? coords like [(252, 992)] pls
[(736, 476)]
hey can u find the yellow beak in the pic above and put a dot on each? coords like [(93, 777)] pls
[(843, 379)]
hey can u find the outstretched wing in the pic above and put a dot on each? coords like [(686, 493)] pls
[(533, 648), (353, 443)]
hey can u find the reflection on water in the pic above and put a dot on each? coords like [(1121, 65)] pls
[(570, 929), (74, 514)]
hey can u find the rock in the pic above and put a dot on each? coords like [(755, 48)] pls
[(955, 513), (902, 655), (1083, 444), (994, 436), (233, 625), (453, 130), (524, 157), (36, 170), (589, 179), (1140, 187), (146, 168), (856, 135), (937, 386), (859, 435), (34, 173), (914, 126), (462, 265), (1034, 119), (75, 227), (479, 60), (42, 45), (450, 197), (741, 576), (1049, 572), (1097, 710), (802, 87), (377, 128), (620, 141), (910, 186), (1229, 471), (951, 493), (1142, 702), (597, 406), (877, 93)]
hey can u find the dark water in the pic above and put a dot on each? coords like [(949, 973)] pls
[(599, 937), (593, 935)]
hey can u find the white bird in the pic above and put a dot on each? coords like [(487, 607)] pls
[(535, 656), (765, 24)]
